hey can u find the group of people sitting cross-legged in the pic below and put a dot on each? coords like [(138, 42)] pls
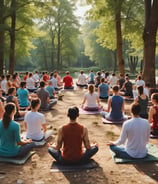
[(68, 149)]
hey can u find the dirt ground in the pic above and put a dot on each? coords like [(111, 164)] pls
[(37, 169)]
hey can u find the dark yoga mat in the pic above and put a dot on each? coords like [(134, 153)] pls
[(56, 167), (17, 160)]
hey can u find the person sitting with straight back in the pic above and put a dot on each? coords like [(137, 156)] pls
[(115, 111), (43, 95), (35, 123), (70, 139), (134, 135)]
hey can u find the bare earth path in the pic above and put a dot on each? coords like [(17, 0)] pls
[(37, 169)]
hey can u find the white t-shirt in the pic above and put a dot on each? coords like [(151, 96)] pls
[(54, 81), (135, 135), (113, 81), (3, 85), (34, 121), (146, 91), (82, 79), (140, 83), (91, 99), (36, 77), (30, 83)]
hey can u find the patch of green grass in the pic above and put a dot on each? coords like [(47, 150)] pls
[(111, 135), (95, 123)]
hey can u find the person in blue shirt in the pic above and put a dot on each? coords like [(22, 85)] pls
[(115, 111), (103, 89), (91, 77), (11, 144), (23, 95), (50, 89)]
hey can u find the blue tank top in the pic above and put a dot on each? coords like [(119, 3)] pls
[(103, 90), (116, 108)]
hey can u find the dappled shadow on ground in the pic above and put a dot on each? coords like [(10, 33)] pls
[(91, 176), (149, 169)]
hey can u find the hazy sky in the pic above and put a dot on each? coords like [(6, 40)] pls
[(80, 12)]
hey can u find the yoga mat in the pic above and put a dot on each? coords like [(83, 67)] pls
[(17, 160), (152, 156), (21, 118), (82, 111), (73, 168), (37, 143), (105, 121), (153, 136)]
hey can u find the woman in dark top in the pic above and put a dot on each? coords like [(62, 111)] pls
[(12, 98), (142, 99), (115, 111)]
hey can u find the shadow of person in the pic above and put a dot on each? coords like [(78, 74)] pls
[(149, 169), (91, 176)]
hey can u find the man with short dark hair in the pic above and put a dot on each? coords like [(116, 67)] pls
[(135, 135), (42, 93), (70, 137)]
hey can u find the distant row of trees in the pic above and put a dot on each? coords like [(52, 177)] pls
[(42, 33), (45, 34)]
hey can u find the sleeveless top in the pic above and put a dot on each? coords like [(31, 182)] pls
[(154, 124), (72, 138), (129, 89), (143, 104), (116, 108), (103, 90)]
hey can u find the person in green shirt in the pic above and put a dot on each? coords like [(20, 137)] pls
[(11, 144)]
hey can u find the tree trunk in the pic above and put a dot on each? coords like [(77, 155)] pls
[(115, 60), (52, 52), (149, 37), (119, 42), (1, 36), (58, 47), (12, 37)]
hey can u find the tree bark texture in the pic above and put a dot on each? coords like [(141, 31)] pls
[(149, 37), (12, 37), (119, 42), (1, 36)]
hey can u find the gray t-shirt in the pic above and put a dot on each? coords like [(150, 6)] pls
[(43, 95)]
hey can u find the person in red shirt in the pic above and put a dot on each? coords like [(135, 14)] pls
[(26, 76), (45, 77), (70, 138), (153, 115), (68, 81)]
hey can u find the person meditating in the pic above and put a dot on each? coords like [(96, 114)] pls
[(68, 81), (142, 99), (92, 98), (134, 135), (11, 144), (153, 114), (70, 139), (115, 111), (35, 123)]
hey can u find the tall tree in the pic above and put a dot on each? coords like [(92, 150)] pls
[(12, 37), (149, 37), (1, 36)]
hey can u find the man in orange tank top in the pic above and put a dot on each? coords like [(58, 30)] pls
[(70, 138)]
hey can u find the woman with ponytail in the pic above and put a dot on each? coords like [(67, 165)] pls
[(92, 98), (11, 144)]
